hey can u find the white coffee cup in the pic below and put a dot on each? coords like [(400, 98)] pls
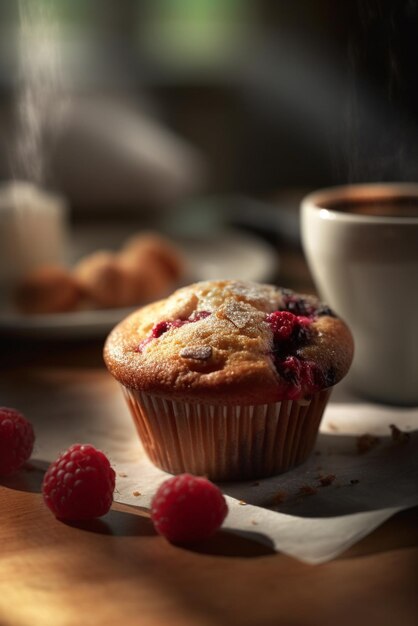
[(365, 266), (33, 231)]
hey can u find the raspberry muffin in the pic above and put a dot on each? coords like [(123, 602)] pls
[(229, 379), (48, 289)]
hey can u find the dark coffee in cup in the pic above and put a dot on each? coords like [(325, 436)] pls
[(382, 207)]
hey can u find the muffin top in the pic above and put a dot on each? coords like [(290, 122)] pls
[(231, 342)]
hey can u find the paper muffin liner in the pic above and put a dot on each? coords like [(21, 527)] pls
[(225, 442)]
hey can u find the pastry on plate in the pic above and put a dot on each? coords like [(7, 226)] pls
[(48, 289)]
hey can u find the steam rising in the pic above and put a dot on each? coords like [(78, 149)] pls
[(39, 97), (382, 134)]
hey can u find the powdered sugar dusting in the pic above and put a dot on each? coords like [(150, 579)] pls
[(265, 297), (239, 313), (182, 305), (212, 294), (201, 353), (243, 304)]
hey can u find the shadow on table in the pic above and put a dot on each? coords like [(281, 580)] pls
[(245, 545), (126, 523), (118, 524), (345, 475), (28, 478)]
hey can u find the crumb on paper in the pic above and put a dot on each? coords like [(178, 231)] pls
[(254, 523), (366, 442), (332, 426), (122, 475), (307, 490), (398, 435), (278, 498), (136, 493), (354, 481), (327, 480), (242, 502)]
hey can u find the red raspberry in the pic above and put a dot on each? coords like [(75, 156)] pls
[(282, 324), (301, 376), (16, 440), (199, 315), (291, 369), (79, 484), (187, 508), (160, 328)]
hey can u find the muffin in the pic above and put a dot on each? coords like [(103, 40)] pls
[(108, 283), (147, 267), (48, 289), (152, 249), (229, 379)]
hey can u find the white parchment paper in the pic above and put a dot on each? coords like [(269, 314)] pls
[(313, 513)]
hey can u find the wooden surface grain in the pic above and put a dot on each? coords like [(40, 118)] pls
[(117, 570)]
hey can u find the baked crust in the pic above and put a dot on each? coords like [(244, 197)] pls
[(48, 289), (222, 351)]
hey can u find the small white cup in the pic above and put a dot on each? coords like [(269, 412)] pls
[(366, 268), (33, 231)]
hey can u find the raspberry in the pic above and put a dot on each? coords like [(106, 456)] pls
[(291, 370), (301, 376), (187, 508), (290, 331), (199, 315), (160, 328), (282, 324), (79, 485), (16, 440)]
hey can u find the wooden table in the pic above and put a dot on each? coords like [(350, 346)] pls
[(117, 570)]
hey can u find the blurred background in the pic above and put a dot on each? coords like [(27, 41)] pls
[(190, 114)]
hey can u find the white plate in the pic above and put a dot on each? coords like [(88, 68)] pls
[(231, 254)]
